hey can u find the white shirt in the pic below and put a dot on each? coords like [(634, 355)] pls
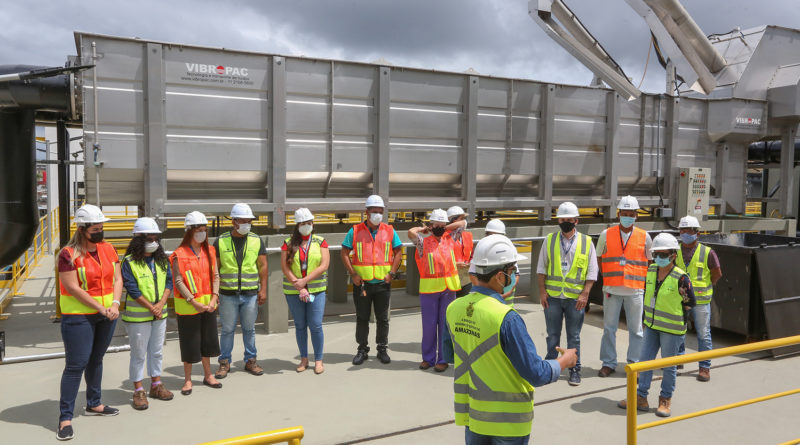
[(623, 291)]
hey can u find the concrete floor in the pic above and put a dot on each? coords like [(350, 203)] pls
[(388, 404)]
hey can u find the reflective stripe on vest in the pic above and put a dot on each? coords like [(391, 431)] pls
[(372, 257), (314, 259), (437, 265), (664, 312), (491, 398), (195, 273), (135, 312), (633, 271), (97, 279), (233, 276), (571, 285), (698, 272)]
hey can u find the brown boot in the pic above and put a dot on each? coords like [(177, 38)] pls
[(663, 407), (252, 367), (223, 370), (641, 404), (160, 392), (140, 400), (704, 375)]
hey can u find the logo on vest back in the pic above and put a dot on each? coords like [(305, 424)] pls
[(470, 310)]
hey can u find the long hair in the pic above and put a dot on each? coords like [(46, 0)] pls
[(187, 241), (136, 251), (294, 243), (78, 242)]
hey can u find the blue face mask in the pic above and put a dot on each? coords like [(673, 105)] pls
[(662, 262), (688, 238), (507, 289), (627, 221)]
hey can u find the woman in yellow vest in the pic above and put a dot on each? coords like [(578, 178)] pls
[(304, 262), (91, 288), (196, 279), (148, 281), (668, 295), (438, 284)]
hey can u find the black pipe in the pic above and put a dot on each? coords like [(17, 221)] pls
[(18, 207), (46, 94), (769, 151), (63, 183)]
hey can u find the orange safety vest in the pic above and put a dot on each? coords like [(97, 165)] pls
[(437, 265), (372, 257), (464, 247), (97, 279), (195, 274), (625, 265)]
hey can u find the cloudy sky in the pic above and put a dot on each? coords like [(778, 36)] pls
[(494, 37)]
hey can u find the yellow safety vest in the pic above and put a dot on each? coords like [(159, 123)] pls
[(235, 277), (313, 260), (135, 312), (698, 272), (664, 312), (571, 285)]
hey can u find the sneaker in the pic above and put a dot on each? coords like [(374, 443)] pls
[(605, 371), (252, 367), (140, 400), (65, 433), (663, 407), (704, 375), (224, 369), (360, 357), (384, 357), (641, 403), (160, 392), (107, 411), (574, 377)]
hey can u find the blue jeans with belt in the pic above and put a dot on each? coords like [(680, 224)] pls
[(242, 307), (558, 310), (86, 339)]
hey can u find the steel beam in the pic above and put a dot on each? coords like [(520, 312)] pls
[(380, 175), (723, 157), (155, 161), (612, 153), (329, 151), (63, 183), (469, 171), (277, 140), (670, 149), (788, 193), (547, 130)]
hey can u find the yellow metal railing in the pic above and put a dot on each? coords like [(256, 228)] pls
[(632, 370), (290, 435), (21, 269)]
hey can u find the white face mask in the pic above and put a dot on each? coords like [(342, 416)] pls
[(306, 229), (151, 247), (243, 229), (375, 218), (199, 237)]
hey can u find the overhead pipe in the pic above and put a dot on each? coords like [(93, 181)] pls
[(711, 58)]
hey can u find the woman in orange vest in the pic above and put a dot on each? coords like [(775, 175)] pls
[(438, 283), (91, 288), (196, 283)]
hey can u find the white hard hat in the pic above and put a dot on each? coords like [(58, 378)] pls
[(438, 215), (374, 201), (145, 225), (567, 210), (242, 210), (496, 226), (664, 241), (455, 211), (195, 218), (628, 203), (302, 215), (89, 214), (689, 222), (494, 251)]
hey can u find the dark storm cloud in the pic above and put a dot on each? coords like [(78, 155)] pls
[(495, 37)]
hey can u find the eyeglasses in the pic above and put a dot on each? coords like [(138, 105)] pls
[(662, 255)]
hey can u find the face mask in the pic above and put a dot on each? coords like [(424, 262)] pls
[(662, 262), (566, 226), (243, 229), (306, 229), (512, 282), (627, 221), (437, 231), (199, 237), (151, 247), (375, 218), (688, 238), (96, 237)]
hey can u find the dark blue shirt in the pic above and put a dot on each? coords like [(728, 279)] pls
[(129, 280), (517, 346)]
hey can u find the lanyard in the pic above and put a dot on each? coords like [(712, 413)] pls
[(304, 257), (623, 244)]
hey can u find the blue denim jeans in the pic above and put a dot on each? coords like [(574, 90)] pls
[(558, 310), (86, 339), (701, 314), (471, 438), (243, 308), (669, 344), (612, 305), (308, 317)]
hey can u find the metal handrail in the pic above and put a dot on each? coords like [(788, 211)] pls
[(21, 268), (633, 369), (291, 435)]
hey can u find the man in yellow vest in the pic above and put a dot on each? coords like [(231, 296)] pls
[(242, 260), (496, 365), (702, 266), (567, 270)]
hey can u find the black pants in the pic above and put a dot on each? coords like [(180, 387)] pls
[(465, 290), (373, 296), (197, 336)]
